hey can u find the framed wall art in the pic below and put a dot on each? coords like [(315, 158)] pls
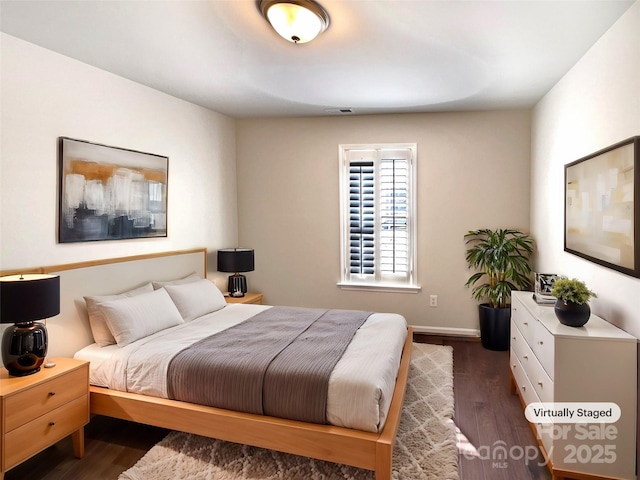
[(602, 207), (110, 193)]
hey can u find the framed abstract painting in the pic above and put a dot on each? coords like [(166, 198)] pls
[(110, 193), (602, 207)]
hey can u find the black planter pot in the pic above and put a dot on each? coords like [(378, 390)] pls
[(572, 314), (495, 327)]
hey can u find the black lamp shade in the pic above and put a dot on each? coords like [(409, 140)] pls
[(236, 260), (24, 299)]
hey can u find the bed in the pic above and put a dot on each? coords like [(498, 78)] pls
[(346, 443)]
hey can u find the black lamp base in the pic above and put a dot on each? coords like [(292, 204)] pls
[(24, 348), (237, 285)]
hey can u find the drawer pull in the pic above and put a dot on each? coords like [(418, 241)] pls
[(525, 323), (514, 365), (540, 383), (51, 424), (524, 388), (526, 357), (51, 394), (541, 342)]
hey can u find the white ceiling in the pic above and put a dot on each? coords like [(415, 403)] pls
[(378, 56)]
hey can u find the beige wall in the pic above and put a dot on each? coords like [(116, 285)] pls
[(473, 172), (595, 105), (46, 95)]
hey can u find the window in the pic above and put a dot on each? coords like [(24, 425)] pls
[(377, 201)]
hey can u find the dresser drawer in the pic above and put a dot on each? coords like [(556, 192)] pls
[(543, 346), (520, 346), (541, 382), (523, 384), (523, 320), (33, 402), (30, 438), (529, 395)]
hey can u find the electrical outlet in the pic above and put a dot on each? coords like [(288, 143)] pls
[(433, 300)]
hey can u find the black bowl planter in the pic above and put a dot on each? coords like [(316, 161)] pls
[(572, 314), (495, 327)]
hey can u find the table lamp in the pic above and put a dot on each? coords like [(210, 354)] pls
[(236, 260), (24, 299)]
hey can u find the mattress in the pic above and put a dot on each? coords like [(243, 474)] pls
[(360, 387)]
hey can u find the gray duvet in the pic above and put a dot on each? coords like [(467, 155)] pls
[(276, 363)]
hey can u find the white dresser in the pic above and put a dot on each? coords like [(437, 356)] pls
[(551, 362)]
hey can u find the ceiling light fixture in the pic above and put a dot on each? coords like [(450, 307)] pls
[(298, 21)]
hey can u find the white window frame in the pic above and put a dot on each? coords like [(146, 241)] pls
[(404, 283)]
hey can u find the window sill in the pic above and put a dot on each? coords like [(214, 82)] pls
[(380, 287)]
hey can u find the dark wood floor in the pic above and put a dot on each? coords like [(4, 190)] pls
[(490, 420), (487, 415)]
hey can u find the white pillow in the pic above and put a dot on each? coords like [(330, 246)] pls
[(133, 318), (193, 277), (101, 334), (196, 299)]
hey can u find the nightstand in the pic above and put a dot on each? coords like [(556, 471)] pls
[(39, 410), (255, 298)]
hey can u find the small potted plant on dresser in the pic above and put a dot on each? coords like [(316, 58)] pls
[(572, 308), (501, 258)]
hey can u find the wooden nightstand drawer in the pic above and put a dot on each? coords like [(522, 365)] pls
[(40, 409), (43, 431), (255, 298), (44, 397)]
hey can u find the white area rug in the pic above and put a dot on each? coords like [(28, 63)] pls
[(425, 448)]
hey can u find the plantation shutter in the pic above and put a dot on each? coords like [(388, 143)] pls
[(377, 199), (362, 217), (394, 240)]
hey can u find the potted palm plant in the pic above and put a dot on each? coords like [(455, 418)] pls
[(501, 258), (572, 308)]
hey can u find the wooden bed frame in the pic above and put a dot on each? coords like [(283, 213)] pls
[(371, 451)]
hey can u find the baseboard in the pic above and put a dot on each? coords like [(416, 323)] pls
[(447, 331)]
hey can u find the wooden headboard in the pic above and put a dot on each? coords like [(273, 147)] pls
[(70, 331)]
